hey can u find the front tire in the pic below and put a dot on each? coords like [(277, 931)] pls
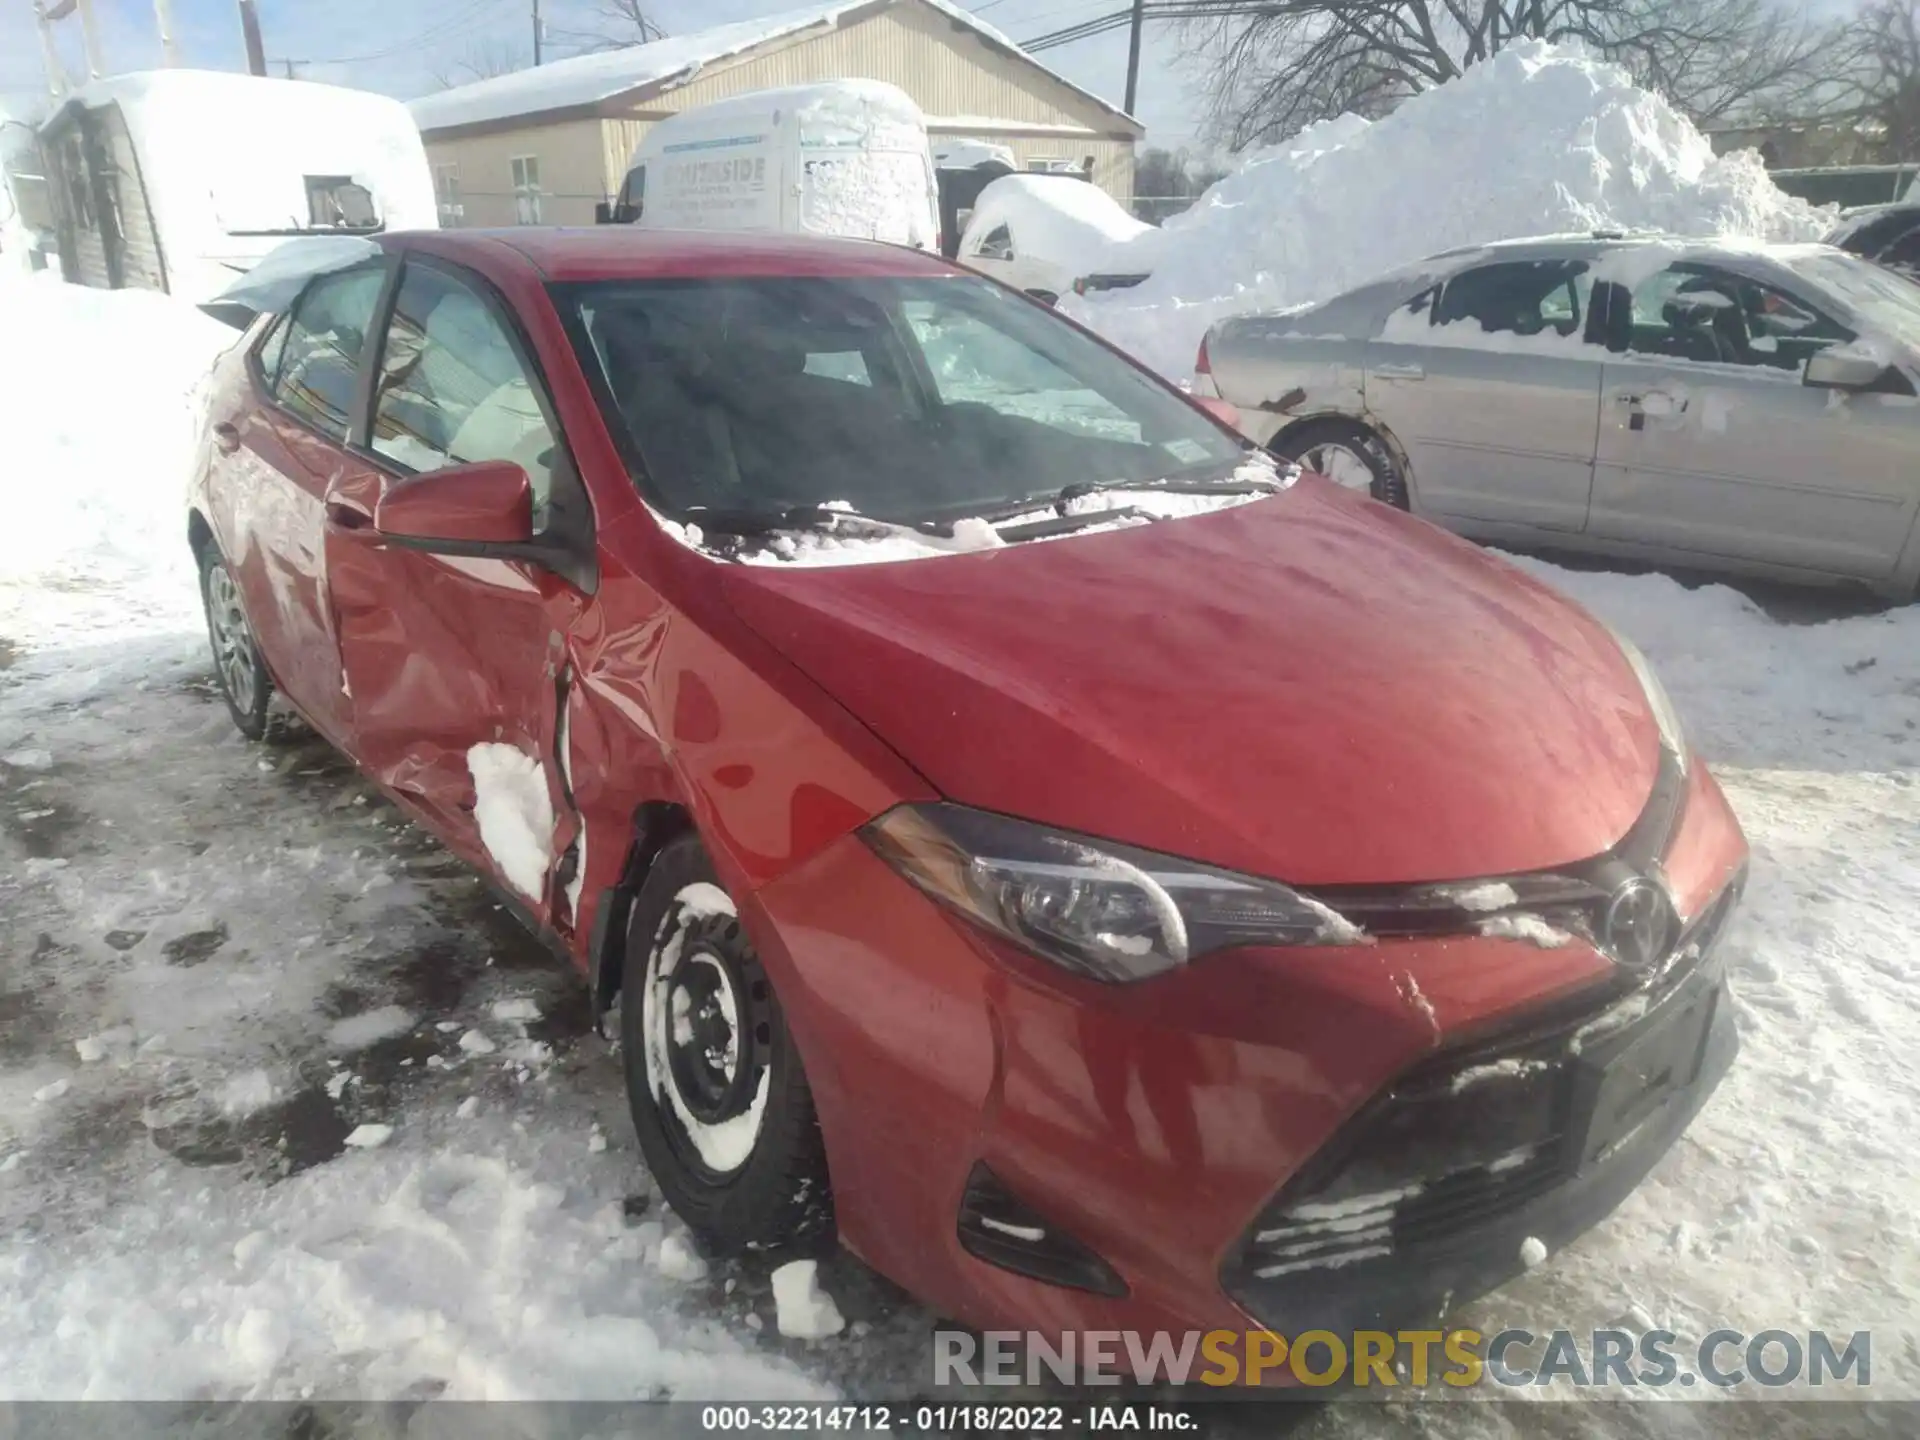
[(720, 1102), (237, 666), (1350, 455)]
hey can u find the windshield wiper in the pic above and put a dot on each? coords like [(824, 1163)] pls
[(755, 523), (1217, 482)]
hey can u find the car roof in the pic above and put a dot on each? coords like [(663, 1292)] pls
[(627, 252)]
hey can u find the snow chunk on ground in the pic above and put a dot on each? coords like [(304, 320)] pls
[(357, 1032), (1532, 1251), (475, 1042), (247, 1093), (1537, 140), (369, 1137), (514, 812), (519, 1009), (802, 1310), (678, 1260)]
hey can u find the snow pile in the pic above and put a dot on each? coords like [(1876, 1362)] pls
[(101, 388), (1062, 221), (1538, 140)]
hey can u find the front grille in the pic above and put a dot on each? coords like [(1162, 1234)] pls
[(1475, 1132)]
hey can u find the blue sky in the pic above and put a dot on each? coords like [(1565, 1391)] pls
[(396, 46)]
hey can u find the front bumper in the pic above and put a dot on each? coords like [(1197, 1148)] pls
[(1607, 1092), (1164, 1126)]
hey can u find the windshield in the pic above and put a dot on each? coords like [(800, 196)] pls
[(909, 400), (1883, 298)]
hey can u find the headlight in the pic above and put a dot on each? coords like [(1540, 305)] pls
[(1673, 736), (1107, 911)]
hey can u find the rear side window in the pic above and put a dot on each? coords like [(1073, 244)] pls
[(453, 389), (319, 356), (1525, 297)]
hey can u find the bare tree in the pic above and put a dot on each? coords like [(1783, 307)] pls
[(482, 60), (1885, 89), (617, 24), (1288, 63)]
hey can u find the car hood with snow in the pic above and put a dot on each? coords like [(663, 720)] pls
[(1213, 687)]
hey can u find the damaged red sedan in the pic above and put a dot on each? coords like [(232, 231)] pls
[(1109, 880)]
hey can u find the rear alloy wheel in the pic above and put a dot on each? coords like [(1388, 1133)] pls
[(244, 682), (1350, 455), (720, 1103)]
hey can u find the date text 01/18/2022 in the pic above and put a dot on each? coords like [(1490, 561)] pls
[(1012, 1419)]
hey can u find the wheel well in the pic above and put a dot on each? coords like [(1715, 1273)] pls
[(199, 533), (656, 825), (1395, 450)]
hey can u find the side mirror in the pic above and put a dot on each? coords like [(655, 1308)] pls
[(1224, 411), (462, 510), (1839, 368)]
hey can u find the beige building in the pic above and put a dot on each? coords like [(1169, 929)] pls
[(544, 146)]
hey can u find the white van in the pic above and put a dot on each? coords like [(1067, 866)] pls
[(178, 180), (844, 157)]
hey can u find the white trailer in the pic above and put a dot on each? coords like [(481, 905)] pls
[(178, 180), (844, 157)]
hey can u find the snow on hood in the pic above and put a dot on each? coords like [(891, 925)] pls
[(861, 541), (1359, 699), (1064, 221), (1538, 139), (272, 285)]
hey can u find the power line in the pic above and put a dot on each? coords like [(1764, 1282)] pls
[(442, 30)]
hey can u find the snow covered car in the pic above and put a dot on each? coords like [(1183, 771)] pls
[(1032, 834), (1038, 233), (1738, 407), (1889, 234)]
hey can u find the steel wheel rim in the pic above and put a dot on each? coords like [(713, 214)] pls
[(703, 1038), (1343, 465), (232, 641)]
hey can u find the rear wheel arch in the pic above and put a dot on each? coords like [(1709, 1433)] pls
[(1295, 431)]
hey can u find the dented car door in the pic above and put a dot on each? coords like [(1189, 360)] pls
[(456, 664)]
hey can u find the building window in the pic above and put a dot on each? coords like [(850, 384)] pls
[(526, 189), (1052, 165), (446, 194)]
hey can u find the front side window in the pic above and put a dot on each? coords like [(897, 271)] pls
[(453, 388), (910, 399), (1525, 297), (1715, 317), (526, 189), (319, 361)]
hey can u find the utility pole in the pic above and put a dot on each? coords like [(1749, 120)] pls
[(50, 52), (256, 49), (1133, 53), (536, 32), (163, 14), (90, 37)]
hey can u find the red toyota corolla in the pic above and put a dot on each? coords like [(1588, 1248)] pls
[(1113, 882)]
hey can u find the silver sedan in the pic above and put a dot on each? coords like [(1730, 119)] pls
[(1746, 408)]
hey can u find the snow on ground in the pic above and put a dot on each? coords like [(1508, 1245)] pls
[(1536, 141), (226, 969)]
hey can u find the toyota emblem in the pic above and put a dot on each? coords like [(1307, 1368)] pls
[(1639, 924)]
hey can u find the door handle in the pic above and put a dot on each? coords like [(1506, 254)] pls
[(226, 437), (1400, 372)]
